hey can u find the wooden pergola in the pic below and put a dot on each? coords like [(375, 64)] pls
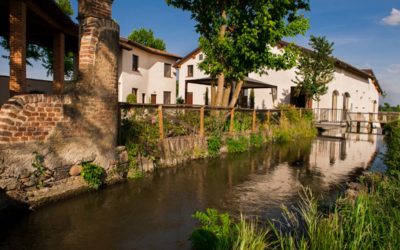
[(249, 83), (39, 22)]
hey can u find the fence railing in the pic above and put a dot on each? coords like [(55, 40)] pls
[(179, 120), (330, 115)]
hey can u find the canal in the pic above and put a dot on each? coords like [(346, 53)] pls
[(156, 212)]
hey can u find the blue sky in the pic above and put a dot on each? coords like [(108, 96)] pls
[(366, 33)]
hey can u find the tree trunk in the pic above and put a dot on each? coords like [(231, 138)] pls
[(236, 94), (308, 102), (213, 94), (221, 76), (227, 93)]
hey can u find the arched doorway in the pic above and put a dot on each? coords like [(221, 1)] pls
[(346, 105), (335, 96)]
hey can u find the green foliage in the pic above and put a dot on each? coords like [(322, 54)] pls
[(93, 175), (131, 99), (219, 231), (216, 231), (66, 7), (146, 37), (141, 129), (243, 122), (387, 108), (134, 150), (249, 236), (257, 140), (40, 169), (213, 145), (234, 35), (316, 69), (293, 125), (180, 100), (392, 155), (237, 145)]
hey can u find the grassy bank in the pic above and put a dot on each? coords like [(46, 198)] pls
[(369, 220)]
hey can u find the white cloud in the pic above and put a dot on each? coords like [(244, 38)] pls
[(393, 19), (394, 69)]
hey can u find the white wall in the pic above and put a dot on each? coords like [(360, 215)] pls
[(362, 91), (149, 79), (198, 90)]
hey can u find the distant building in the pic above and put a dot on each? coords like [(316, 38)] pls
[(147, 73), (352, 89)]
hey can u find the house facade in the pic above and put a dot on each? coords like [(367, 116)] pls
[(147, 73), (351, 89)]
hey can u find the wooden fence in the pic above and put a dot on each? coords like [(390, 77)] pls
[(178, 120)]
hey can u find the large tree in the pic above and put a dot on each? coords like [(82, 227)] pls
[(146, 37), (238, 37), (315, 70)]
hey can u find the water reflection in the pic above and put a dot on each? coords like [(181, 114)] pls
[(155, 213)]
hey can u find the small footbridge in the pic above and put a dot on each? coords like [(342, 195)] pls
[(355, 122)]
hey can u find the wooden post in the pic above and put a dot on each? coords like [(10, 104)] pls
[(254, 128), (202, 132), (161, 121), (231, 125), (358, 127)]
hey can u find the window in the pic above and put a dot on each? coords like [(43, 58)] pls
[(190, 71), (201, 57), (134, 91), (167, 97), (135, 63), (167, 70), (143, 98)]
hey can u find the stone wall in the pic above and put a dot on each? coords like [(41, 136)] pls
[(177, 150), (68, 130), (31, 117)]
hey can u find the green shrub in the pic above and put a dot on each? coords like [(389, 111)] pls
[(257, 140), (93, 175), (213, 145), (237, 145), (216, 231), (219, 231), (131, 99), (40, 169)]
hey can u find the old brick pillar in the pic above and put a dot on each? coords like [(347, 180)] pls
[(58, 66), (98, 71), (17, 17)]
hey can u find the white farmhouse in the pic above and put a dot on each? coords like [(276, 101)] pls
[(352, 89), (146, 73)]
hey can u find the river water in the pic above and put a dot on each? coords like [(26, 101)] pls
[(156, 212)]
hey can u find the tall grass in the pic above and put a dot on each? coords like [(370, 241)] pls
[(369, 221)]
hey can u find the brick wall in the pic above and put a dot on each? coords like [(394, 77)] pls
[(95, 8), (27, 118)]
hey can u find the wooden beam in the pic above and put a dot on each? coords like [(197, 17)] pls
[(46, 17)]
